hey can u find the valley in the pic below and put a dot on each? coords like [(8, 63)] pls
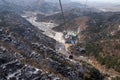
[(37, 44)]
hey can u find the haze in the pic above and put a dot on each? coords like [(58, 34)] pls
[(100, 1)]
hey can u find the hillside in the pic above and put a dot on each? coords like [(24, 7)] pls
[(106, 35), (72, 25), (32, 54), (101, 39)]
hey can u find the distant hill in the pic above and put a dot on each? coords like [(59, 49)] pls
[(58, 18), (8, 6), (56, 1), (45, 7), (112, 7)]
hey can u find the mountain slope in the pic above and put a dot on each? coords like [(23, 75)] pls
[(33, 54), (101, 39)]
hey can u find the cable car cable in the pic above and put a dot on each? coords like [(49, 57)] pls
[(60, 2)]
